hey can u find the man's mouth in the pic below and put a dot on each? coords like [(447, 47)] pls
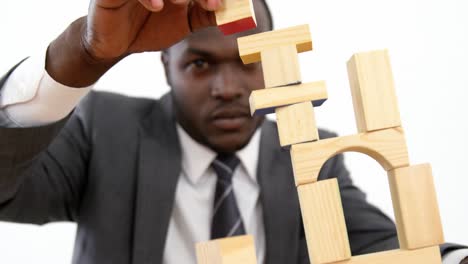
[(230, 118)]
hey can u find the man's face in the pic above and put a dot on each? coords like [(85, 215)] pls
[(211, 86)]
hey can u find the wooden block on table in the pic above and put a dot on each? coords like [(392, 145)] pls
[(296, 124), (372, 87), (232, 250), (280, 66), (388, 147), (235, 16), (265, 101), (324, 222), (430, 255), (250, 47), (415, 207)]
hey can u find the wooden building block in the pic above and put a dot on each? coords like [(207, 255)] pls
[(430, 255), (296, 124), (235, 16), (372, 87), (232, 250), (388, 147), (250, 47), (324, 222), (265, 101), (415, 207), (281, 66)]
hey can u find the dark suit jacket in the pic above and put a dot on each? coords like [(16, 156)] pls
[(112, 167)]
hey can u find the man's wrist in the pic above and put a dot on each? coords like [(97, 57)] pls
[(69, 63)]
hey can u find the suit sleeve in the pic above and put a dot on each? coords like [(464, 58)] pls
[(42, 170)]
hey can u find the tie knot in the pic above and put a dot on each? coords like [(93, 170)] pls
[(225, 164)]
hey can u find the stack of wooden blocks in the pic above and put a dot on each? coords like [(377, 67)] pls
[(380, 136)]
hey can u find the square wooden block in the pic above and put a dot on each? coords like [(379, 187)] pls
[(296, 124), (415, 207), (281, 66), (231, 250), (324, 222), (236, 16)]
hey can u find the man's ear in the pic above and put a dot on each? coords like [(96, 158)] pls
[(165, 61)]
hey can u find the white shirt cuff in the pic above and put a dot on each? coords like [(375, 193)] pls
[(31, 97), (455, 257)]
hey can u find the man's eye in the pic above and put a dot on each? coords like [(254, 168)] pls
[(199, 64)]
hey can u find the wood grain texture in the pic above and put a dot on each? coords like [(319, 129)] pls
[(324, 222), (372, 88), (415, 207), (250, 47), (235, 16), (296, 124), (264, 101), (430, 255), (388, 147), (280, 66), (232, 250)]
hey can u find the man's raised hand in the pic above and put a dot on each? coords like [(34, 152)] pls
[(114, 29)]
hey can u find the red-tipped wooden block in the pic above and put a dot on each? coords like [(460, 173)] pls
[(236, 16)]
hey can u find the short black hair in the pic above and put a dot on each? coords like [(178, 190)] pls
[(269, 15)]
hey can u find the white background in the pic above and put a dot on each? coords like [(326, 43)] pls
[(428, 44)]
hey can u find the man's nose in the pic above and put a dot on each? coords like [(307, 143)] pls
[(228, 83)]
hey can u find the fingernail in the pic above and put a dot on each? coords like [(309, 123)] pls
[(157, 5), (215, 4)]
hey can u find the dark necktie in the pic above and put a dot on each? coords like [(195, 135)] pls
[(226, 220)]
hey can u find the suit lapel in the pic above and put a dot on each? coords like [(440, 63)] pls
[(279, 199), (158, 172)]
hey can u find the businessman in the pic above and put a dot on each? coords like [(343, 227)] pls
[(146, 179)]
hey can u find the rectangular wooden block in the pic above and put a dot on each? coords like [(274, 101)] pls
[(264, 101), (372, 88), (324, 222), (281, 66), (430, 255), (232, 250), (415, 207), (235, 16), (296, 124), (388, 147), (250, 47)]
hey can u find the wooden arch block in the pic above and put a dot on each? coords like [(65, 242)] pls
[(235, 16), (232, 250), (388, 147), (296, 124), (372, 88), (265, 101), (415, 207), (251, 47), (324, 222)]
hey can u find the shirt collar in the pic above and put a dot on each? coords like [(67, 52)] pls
[(197, 158)]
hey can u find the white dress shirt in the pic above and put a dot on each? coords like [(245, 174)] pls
[(194, 198), (31, 97)]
